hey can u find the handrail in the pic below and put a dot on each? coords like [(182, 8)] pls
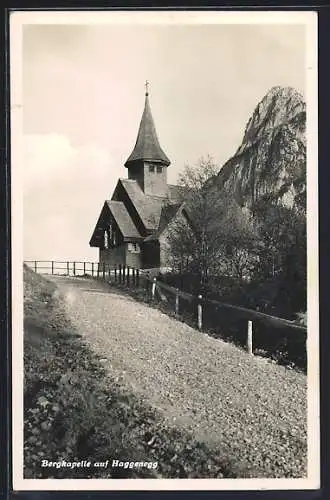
[(250, 313), (61, 262)]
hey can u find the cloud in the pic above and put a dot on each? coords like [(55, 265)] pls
[(64, 190)]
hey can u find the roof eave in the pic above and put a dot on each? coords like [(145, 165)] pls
[(133, 161), (136, 239), (151, 238)]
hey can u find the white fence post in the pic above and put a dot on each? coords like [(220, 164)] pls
[(199, 312), (153, 288), (177, 301), (249, 337)]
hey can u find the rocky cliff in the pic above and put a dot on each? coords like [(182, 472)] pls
[(270, 164)]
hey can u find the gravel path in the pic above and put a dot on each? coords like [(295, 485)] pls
[(241, 404)]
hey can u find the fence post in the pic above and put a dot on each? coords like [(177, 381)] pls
[(52, 267), (74, 269), (68, 268), (84, 268), (35, 266), (137, 278), (133, 275), (103, 271), (98, 269), (92, 269), (120, 274), (127, 275), (177, 301), (153, 288), (249, 337), (109, 274), (199, 312), (115, 273)]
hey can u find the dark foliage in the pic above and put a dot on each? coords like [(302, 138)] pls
[(281, 343)]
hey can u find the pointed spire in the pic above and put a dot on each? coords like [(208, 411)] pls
[(147, 145)]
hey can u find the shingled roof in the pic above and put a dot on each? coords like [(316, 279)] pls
[(148, 207), (168, 212), (147, 145), (176, 193), (123, 219)]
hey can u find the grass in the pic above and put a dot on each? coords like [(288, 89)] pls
[(74, 411)]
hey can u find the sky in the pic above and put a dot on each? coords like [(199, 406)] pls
[(83, 97)]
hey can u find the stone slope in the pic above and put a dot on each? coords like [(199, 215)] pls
[(270, 164)]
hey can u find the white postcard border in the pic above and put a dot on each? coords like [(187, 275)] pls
[(17, 20)]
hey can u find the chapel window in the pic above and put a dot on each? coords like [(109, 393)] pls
[(151, 168), (134, 247), (106, 239), (159, 170)]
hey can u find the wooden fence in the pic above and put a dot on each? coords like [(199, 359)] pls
[(80, 268), (64, 268), (258, 332), (250, 328)]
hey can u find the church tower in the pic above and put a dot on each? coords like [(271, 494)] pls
[(147, 164)]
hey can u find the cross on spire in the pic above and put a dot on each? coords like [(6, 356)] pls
[(147, 87), (147, 147)]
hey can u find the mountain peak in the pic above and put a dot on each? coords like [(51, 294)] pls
[(280, 105), (271, 161), (283, 91)]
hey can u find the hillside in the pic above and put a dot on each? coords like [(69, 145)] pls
[(266, 177), (252, 215), (193, 405), (270, 163), (76, 410)]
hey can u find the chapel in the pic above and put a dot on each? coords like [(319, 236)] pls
[(133, 225)]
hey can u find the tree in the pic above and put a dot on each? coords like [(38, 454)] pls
[(215, 236), (283, 257)]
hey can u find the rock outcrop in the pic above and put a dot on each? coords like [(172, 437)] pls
[(270, 164)]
